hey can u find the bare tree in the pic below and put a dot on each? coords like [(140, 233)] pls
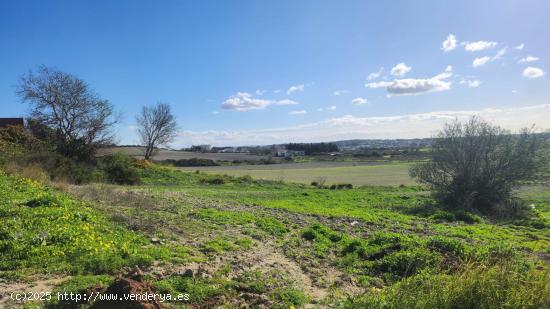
[(156, 126), (65, 103), (476, 165)]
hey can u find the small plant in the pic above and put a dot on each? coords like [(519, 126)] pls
[(405, 263), (443, 244), (287, 297), (120, 169), (341, 186), (213, 179)]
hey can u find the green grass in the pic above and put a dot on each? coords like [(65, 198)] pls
[(393, 242), (44, 231), (498, 286), (403, 209)]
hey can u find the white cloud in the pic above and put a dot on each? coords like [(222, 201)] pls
[(472, 83), (359, 101), (381, 84), (532, 72), (520, 46), (479, 45), (298, 112), (499, 54), (320, 109), (375, 75), (295, 88), (400, 69), (331, 108), (480, 61), (215, 112), (413, 86), (260, 92), (243, 101), (449, 44), (351, 127), (528, 59), (286, 102), (340, 92)]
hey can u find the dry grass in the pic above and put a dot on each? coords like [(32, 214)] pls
[(373, 175), (33, 171)]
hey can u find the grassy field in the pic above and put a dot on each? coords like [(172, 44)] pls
[(245, 242), (373, 174)]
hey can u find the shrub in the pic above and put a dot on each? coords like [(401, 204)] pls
[(405, 263), (120, 169), (213, 179), (476, 165), (192, 162), (55, 165), (341, 186)]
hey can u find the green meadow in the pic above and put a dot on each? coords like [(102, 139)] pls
[(240, 241)]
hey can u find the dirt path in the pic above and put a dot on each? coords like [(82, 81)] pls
[(35, 287)]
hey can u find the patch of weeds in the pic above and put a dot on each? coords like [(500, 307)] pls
[(477, 286), (199, 290), (251, 281), (244, 243), (323, 238), (219, 244), (448, 245), (405, 263), (286, 297), (213, 179), (460, 215), (272, 226)]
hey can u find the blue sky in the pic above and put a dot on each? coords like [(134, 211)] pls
[(259, 72)]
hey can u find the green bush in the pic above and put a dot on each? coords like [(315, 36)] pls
[(405, 263), (213, 179), (57, 167), (120, 169), (191, 162), (341, 186)]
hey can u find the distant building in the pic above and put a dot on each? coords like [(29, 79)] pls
[(230, 150), (201, 148), (4, 122)]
